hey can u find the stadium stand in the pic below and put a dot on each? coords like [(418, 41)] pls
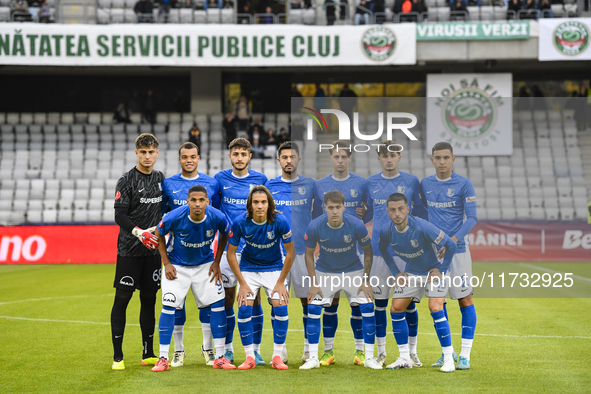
[(63, 167)]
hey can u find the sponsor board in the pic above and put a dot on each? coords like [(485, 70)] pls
[(472, 31), (564, 39)]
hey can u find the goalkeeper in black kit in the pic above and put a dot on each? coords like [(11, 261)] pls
[(138, 210)]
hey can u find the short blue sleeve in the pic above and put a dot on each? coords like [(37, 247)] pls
[(284, 229), (361, 234), (165, 225), (311, 236), (223, 223), (235, 233)]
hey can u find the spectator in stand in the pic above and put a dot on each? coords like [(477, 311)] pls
[(143, 10), (256, 127), (229, 125), (44, 12), (271, 140), (343, 11), (379, 7), (350, 101), (295, 4), (513, 9), (19, 9), (296, 98), (319, 97), (163, 11), (330, 7), (227, 4), (530, 10), (244, 19), (269, 18), (297, 129), (185, 4), (362, 11), (539, 99), (213, 4), (459, 10), (546, 9), (121, 114), (257, 149), (402, 7), (149, 108), (419, 7), (283, 136), (242, 113), (307, 4), (524, 101), (195, 135)]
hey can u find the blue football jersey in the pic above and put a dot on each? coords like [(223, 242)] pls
[(262, 243), (234, 192), (294, 199), (353, 187), (337, 245), (175, 190), (449, 202), (382, 187), (189, 243), (416, 246)]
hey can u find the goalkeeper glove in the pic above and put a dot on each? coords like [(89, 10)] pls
[(149, 240)]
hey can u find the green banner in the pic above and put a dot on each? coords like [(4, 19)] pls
[(468, 31)]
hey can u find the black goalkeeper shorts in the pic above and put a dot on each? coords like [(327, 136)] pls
[(142, 273)]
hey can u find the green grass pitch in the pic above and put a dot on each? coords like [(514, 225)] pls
[(55, 337)]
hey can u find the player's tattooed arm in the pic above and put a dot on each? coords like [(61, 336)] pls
[(169, 269), (367, 259)]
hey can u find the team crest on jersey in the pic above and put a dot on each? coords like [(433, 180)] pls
[(302, 190), (414, 243), (250, 187), (271, 234), (354, 193), (450, 192), (401, 189), (209, 233), (348, 238)]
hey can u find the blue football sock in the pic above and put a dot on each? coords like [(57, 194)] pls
[(218, 326), (368, 323), (230, 325), (272, 317), (381, 318), (442, 328), (245, 324), (468, 322), (445, 310), (356, 322), (305, 319), (281, 324), (412, 319), (257, 324), (180, 317), (166, 325), (400, 328), (330, 321), (313, 324)]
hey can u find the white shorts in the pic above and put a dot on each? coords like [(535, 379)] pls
[(415, 291), (195, 278), (228, 276), (461, 266), (380, 272), (295, 278), (332, 283), (267, 280)]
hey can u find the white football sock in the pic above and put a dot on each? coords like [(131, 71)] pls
[(466, 348), (249, 351), (328, 344), (207, 336), (404, 353), (177, 334), (369, 350), (412, 345), (381, 341), (164, 351)]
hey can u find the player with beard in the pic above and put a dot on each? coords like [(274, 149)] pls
[(235, 185)]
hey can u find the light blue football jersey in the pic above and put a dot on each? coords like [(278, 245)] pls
[(449, 202), (189, 243), (262, 243), (175, 190), (416, 246), (294, 199), (380, 188), (337, 245)]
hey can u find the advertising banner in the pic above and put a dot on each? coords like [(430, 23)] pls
[(531, 241), (472, 31), (206, 45), (473, 112), (564, 39), (58, 244)]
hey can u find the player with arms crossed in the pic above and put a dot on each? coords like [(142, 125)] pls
[(414, 240), (355, 190), (138, 208), (293, 195), (189, 264), (235, 186), (338, 268), (381, 186), (174, 188), (263, 229), (451, 203)]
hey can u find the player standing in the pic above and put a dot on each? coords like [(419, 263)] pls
[(189, 264), (381, 186), (338, 268), (263, 229), (451, 203), (235, 186), (138, 200), (293, 195), (355, 190), (174, 188), (414, 240)]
